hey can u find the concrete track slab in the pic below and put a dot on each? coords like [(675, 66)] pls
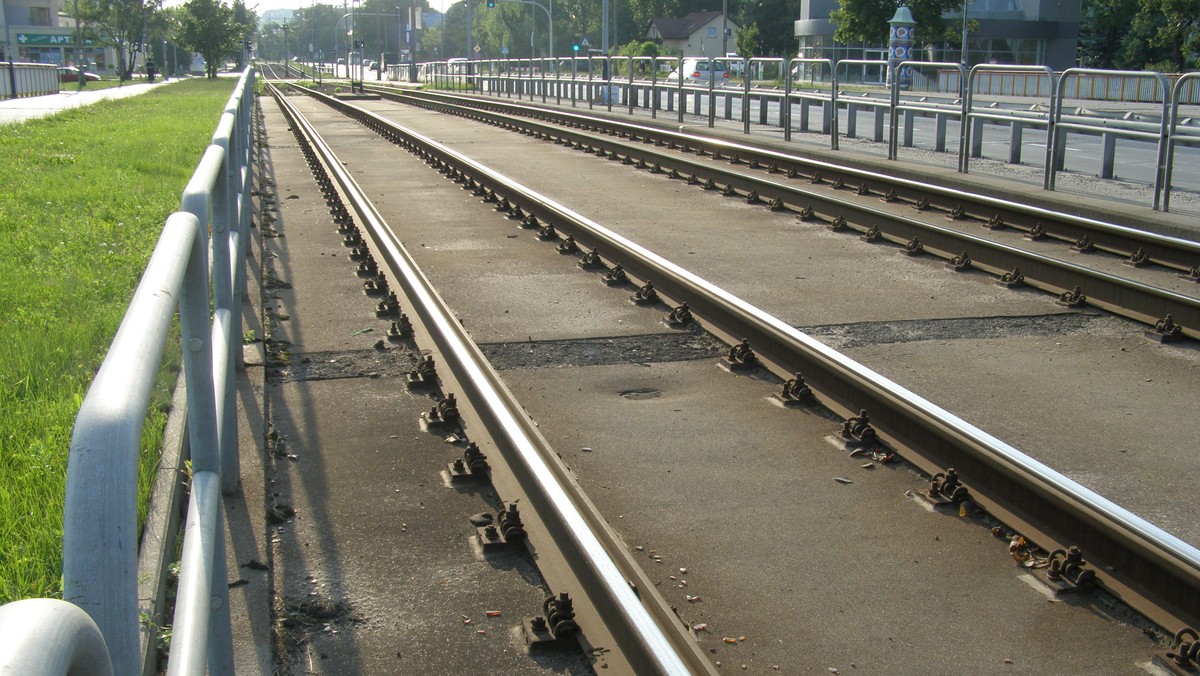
[(452, 230), (1097, 426), (842, 602), (830, 565), (247, 550), (368, 550), (808, 266), (375, 568), (832, 284)]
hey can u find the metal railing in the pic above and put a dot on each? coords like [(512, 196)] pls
[(1177, 133), (894, 110), (28, 79), (1144, 132), (100, 539)]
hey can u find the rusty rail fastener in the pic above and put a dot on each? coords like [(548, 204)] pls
[(646, 295), (680, 316), (858, 428), (945, 486), (741, 357), (1070, 572)]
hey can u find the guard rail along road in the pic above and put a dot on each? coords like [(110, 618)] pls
[(97, 624)]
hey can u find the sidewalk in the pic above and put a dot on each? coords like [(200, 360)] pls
[(30, 107)]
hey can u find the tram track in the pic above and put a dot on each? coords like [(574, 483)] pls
[(848, 200), (576, 548), (1128, 555)]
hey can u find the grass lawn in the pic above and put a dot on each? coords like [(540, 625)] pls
[(83, 197), (105, 83)]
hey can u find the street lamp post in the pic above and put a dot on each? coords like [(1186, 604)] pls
[(287, 57)]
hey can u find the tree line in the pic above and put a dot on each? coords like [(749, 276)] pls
[(217, 31), (1159, 35)]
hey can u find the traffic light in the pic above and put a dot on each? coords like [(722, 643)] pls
[(491, 3), (575, 44)]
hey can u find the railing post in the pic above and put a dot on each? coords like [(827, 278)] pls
[(1187, 82), (1016, 134), (977, 137), (1108, 153), (100, 512)]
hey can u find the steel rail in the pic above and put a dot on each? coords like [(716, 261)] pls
[(1138, 562), (1139, 301), (1120, 240), (648, 633)]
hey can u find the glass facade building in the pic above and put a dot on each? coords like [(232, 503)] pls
[(1026, 32)]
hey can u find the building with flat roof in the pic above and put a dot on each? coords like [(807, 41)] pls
[(40, 31), (1027, 32)]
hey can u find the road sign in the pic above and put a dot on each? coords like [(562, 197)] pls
[(504, 51), (584, 43), (477, 49)]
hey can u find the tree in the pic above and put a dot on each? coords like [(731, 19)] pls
[(748, 41), (1103, 27), (120, 24), (867, 20), (776, 31), (245, 24), (210, 28), (1178, 31)]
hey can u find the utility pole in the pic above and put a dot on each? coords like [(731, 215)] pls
[(78, 46), (604, 27), (725, 27), (963, 55)]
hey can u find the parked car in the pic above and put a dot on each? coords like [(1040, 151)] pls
[(71, 74), (701, 70)]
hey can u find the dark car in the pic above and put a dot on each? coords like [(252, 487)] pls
[(71, 74)]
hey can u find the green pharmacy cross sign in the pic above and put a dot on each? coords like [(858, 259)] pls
[(26, 39)]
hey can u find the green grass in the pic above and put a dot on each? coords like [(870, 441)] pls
[(104, 83), (83, 197)]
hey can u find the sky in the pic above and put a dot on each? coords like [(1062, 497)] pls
[(260, 6)]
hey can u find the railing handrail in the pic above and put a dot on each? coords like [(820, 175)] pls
[(100, 539), (30, 626)]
